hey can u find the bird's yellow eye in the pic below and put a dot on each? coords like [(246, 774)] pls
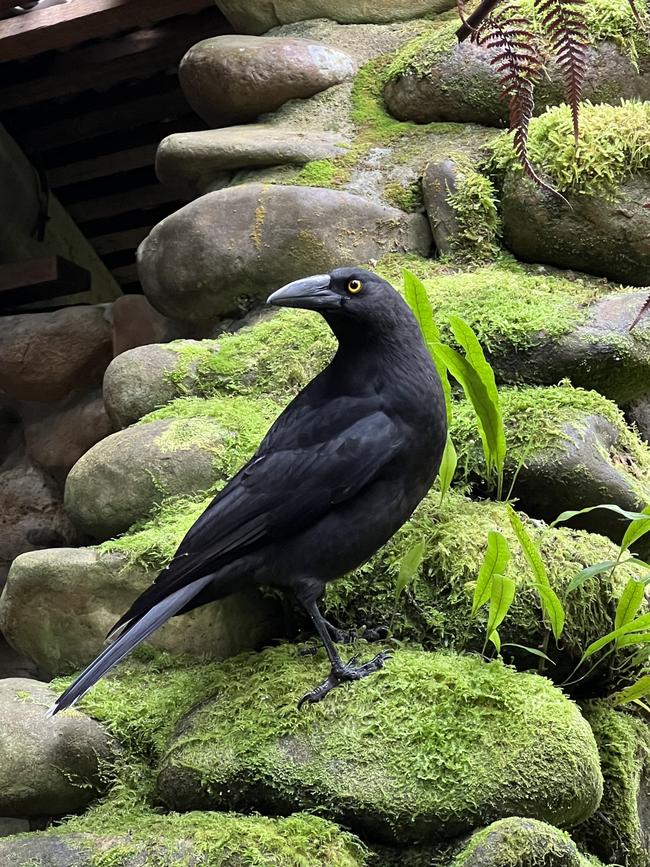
[(355, 286)]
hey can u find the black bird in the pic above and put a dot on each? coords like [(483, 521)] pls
[(337, 474)]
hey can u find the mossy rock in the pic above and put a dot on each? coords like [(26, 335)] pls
[(47, 767), (135, 383), (517, 842), (148, 839), (567, 449), (426, 750), (539, 325), (58, 605), (604, 229), (269, 13), (619, 831), (433, 78), (535, 327), (122, 479)]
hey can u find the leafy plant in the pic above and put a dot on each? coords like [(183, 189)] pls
[(474, 374), (630, 627)]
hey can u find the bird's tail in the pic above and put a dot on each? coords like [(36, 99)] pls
[(134, 633)]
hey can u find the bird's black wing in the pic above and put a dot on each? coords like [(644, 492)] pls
[(277, 494)]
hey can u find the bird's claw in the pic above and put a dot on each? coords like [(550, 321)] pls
[(346, 673)]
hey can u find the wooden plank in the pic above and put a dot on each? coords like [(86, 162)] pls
[(102, 166), (135, 55), (62, 26), (40, 279), (141, 198), (157, 107), (116, 241)]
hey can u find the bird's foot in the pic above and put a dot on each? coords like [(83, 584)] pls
[(349, 636), (345, 673)]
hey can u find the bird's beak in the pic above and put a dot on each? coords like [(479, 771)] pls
[(311, 293)]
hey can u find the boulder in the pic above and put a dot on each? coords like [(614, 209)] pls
[(44, 356), (599, 353), (121, 479), (517, 842), (31, 513), (570, 449), (191, 161), (233, 79), (47, 767), (137, 323), (138, 381), (440, 180), (607, 235), (261, 16), (57, 436), (147, 839), (619, 831), (413, 753), (58, 606), (274, 358), (444, 81), (197, 266), (638, 414), (539, 325)]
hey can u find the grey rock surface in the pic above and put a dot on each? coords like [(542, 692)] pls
[(234, 79), (196, 266)]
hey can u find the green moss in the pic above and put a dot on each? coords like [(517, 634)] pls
[(318, 173), (614, 145), (507, 305), (535, 419), (475, 205), (242, 422), (212, 840), (420, 54), (516, 842), (273, 359), (614, 832), (408, 198), (420, 751), (437, 609)]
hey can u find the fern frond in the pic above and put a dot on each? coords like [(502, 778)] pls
[(564, 23), (641, 313)]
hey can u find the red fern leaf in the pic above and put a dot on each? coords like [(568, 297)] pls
[(565, 26), (641, 314)]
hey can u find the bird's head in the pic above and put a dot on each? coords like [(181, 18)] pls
[(349, 293)]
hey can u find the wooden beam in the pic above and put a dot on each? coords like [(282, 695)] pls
[(126, 116), (100, 66), (40, 279), (100, 167), (139, 199), (62, 26), (126, 273), (125, 240)]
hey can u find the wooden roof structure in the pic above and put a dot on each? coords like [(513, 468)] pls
[(88, 88)]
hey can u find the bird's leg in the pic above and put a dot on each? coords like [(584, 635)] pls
[(340, 672), (340, 636)]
